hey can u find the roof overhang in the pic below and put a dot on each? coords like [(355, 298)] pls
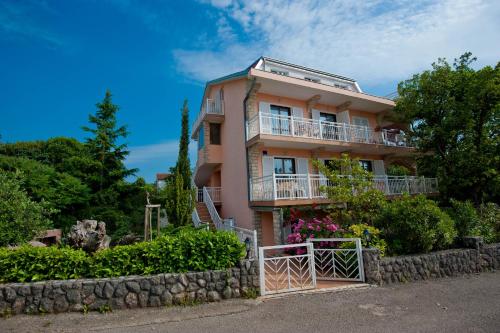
[(279, 85)]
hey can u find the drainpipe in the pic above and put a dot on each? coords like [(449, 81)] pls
[(246, 136)]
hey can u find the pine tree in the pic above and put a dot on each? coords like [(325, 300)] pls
[(104, 146), (183, 165)]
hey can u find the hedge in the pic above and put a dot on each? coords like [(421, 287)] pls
[(197, 250)]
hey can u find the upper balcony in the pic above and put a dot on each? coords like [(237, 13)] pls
[(308, 132), (212, 110)]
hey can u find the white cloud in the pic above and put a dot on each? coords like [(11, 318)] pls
[(373, 41), (166, 151)]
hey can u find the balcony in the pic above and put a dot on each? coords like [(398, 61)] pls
[(293, 127), (308, 186), (214, 107)]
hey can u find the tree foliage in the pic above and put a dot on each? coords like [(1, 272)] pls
[(104, 145), (180, 196), (454, 113), (21, 218), (350, 189), (415, 225), (82, 180), (183, 165)]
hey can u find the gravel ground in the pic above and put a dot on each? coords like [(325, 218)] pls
[(465, 304)]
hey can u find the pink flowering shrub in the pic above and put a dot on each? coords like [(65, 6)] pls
[(312, 228)]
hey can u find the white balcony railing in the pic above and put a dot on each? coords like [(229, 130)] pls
[(214, 193), (308, 186), (266, 123), (211, 106)]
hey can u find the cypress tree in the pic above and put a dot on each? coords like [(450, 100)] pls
[(179, 193), (183, 165)]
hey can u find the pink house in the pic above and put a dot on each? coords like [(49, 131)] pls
[(259, 129)]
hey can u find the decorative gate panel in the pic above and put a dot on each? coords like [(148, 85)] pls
[(285, 268), (338, 259)]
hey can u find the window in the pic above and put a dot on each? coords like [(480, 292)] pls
[(281, 124), (367, 165), (284, 165), (328, 117), (215, 134), (201, 137), (361, 121), (276, 71), (312, 79)]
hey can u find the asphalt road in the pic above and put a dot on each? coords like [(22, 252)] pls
[(465, 304)]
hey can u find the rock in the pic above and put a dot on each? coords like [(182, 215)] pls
[(108, 290), (166, 298), (202, 283), (18, 305), (46, 305), (73, 296), (177, 288), (60, 304), (89, 299), (133, 286), (35, 243), (193, 286), (180, 298), (184, 280), (131, 300), (213, 296), (201, 295), (88, 235), (157, 290), (118, 303), (120, 290), (145, 284), (154, 301), (129, 239), (24, 290), (143, 299), (9, 294), (227, 293)]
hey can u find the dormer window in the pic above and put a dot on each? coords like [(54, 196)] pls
[(279, 72), (312, 79)]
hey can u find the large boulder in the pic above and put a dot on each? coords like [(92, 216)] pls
[(89, 235)]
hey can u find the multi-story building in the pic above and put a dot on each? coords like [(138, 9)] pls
[(259, 130)]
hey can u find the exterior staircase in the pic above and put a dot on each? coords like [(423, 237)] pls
[(203, 213)]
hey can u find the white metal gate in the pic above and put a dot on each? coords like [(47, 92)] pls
[(338, 259), (285, 268), (294, 267)]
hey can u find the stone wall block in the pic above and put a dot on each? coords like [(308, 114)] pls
[(448, 263), (128, 292)]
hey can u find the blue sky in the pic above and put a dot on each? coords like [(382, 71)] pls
[(57, 58)]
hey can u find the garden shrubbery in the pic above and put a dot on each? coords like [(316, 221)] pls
[(189, 250), (415, 225)]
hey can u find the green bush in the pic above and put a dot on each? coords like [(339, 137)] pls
[(465, 216), (415, 225), (188, 250), (469, 221), (29, 263), (489, 223), (357, 231), (21, 219)]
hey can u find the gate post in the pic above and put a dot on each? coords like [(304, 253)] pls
[(359, 251), (262, 281)]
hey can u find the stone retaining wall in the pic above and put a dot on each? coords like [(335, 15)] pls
[(128, 292), (447, 263)]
